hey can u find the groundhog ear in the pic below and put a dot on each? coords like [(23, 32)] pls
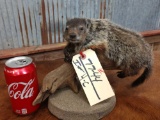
[(88, 23), (68, 19)]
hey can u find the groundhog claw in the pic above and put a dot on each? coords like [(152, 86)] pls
[(121, 74)]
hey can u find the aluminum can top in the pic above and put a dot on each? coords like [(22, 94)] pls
[(18, 62)]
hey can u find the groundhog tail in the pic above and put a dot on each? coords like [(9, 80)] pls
[(143, 77)]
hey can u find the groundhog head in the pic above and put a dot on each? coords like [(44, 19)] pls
[(76, 30)]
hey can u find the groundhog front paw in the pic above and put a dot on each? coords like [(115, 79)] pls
[(121, 74), (67, 59)]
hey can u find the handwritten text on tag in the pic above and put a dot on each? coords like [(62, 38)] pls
[(92, 77)]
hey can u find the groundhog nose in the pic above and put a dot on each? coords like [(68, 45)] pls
[(72, 36)]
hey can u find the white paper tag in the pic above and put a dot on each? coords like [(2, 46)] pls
[(92, 77)]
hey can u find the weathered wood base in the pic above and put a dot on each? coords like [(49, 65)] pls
[(61, 77)]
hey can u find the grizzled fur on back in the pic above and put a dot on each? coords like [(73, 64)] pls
[(126, 48)]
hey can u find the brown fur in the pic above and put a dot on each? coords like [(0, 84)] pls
[(126, 48)]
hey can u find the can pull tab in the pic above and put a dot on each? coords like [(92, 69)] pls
[(21, 62)]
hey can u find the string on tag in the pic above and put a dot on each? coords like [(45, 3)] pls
[(83, 56)]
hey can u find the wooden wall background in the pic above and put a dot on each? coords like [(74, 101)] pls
[(25, 23)]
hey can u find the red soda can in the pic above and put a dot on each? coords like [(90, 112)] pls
[(21, 79)]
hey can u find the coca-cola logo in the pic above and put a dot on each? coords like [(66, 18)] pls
[(27, 91)]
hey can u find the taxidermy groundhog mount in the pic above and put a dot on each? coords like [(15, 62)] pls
[(126, 48)]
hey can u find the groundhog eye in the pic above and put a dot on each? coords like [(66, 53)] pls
[(81, 28), (66, 28)]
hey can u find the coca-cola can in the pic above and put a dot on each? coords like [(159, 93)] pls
[(21, 79)]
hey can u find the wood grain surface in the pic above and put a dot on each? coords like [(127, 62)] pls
[(140, 103)]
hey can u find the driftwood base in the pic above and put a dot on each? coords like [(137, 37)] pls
[(67, 105)]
